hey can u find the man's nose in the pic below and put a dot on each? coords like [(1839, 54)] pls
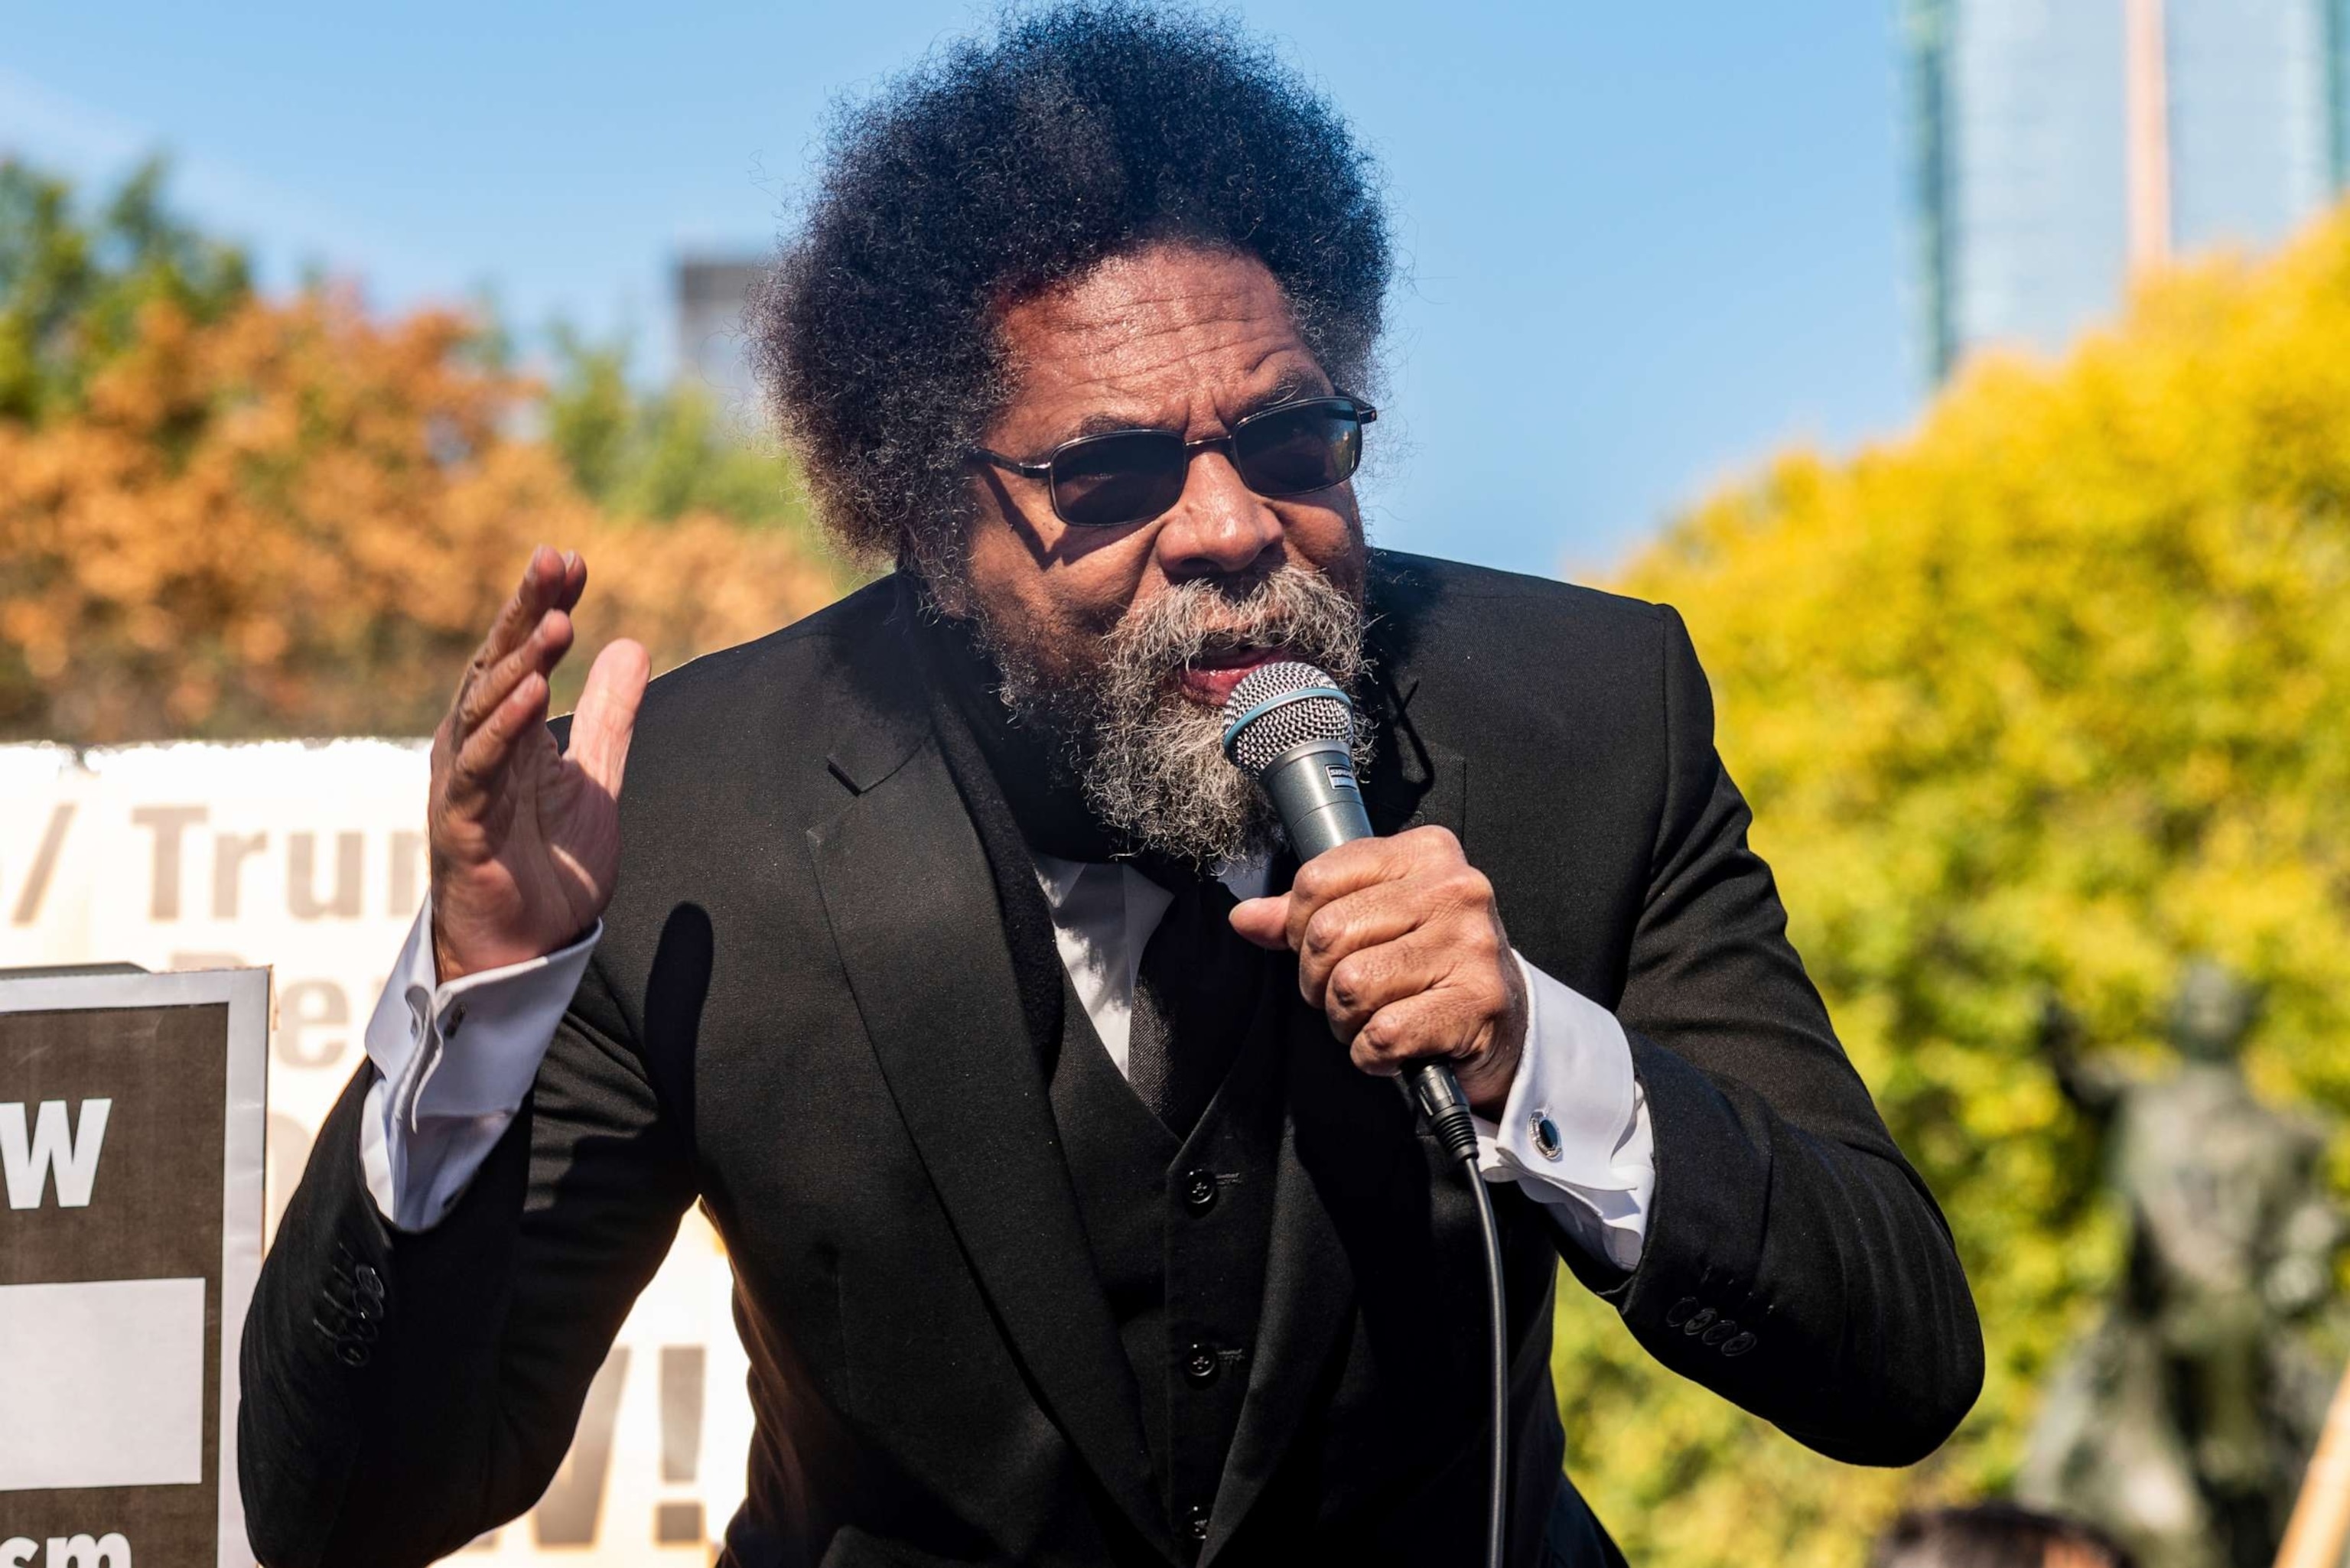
[(1220, 526)]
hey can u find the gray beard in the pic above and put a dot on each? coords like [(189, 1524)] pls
[(1149, 759)]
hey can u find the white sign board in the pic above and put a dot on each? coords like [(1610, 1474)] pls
[(309, 858)]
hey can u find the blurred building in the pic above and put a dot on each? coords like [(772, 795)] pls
[(708, 293), (2059, 144)]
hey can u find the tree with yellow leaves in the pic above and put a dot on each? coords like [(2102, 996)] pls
[(2033, 705)]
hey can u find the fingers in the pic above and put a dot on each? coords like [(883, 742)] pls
[(1337, 872), (505, 683), (1459, 1023), (1451, 990), (1264, 921), (1373, 978), (538, 654), (606, 717), (1280, 922), (1430, 1025), (1361, 920), (1367, 863), (482, 761), (543, 577), (550, 581), (1364, 894)]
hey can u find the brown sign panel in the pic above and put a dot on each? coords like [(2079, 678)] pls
[(131, 1169)]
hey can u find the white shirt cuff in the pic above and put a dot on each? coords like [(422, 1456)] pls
[(433, 1114), (1575, 1134)]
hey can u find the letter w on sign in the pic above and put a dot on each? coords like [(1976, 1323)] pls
[(26, 1162)]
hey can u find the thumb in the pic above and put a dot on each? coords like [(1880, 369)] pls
[(1264, 921), (606, 717)]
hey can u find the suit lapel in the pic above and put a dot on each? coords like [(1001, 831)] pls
[(912, 908)]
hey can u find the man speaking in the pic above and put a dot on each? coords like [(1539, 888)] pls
[(936, 948)]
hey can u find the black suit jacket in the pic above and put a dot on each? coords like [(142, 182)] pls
[(804, 1014)]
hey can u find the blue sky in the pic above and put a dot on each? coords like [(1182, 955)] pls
[(1647, 244)]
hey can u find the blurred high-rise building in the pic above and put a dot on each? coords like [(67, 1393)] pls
[(2058, 145), (708, 293)]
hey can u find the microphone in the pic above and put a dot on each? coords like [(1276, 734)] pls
[(1291, 728)]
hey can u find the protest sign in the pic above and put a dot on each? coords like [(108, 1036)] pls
[(130, 1157), (309, 858)]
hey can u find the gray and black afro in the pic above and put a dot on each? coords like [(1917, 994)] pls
[(998, 169)]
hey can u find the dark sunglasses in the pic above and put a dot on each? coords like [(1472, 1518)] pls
[(1131, 476)]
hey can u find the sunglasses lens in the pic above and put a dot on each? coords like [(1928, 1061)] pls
[(1114, 479), (1290, 452)]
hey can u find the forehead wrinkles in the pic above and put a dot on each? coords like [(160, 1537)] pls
[(1138, 336), (1132, 319)]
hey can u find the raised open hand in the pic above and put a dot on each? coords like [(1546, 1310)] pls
[(526, 839)]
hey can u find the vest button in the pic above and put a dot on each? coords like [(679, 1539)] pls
[(1200, 1365), (1195, 1522), (1200, 1190)]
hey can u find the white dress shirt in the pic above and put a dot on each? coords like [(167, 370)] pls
[(455, 1062)]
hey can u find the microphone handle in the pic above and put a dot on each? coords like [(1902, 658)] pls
[(1314, 790)]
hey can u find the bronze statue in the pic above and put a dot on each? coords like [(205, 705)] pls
[(2183, 1423)]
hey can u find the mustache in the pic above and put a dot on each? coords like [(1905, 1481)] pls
[(1291, 607), (1145, 755)]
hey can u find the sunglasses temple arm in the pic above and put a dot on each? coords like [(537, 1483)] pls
[(1025, 469)]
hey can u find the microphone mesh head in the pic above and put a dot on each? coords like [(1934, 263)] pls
[(1298, 703)]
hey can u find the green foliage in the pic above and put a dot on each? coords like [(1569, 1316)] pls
[(71, 289), (660, 454), (2041, 700)]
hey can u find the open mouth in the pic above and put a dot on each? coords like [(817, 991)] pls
[(1211, 676)]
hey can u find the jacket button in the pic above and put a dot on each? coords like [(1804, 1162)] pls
[(1679, 1312), (1200, 1365), (1195, 1522), (369, 1282), (1700, 1322), (1738, 1346), (351, 1353), (1719, 1332), (1200, 1190)]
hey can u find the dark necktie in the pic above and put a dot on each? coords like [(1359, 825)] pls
[(1195, 996)]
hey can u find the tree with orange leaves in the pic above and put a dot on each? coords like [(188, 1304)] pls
[(225, 516)]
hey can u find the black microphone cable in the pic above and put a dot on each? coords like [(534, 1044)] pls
[(1290, 728), (1438, 1095)]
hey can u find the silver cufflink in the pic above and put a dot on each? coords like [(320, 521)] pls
[(1544, 1132)]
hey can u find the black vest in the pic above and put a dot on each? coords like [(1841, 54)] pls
[(1180, 1230), (1179, 1234)]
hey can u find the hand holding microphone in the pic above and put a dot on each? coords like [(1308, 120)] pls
[(1397, 940)]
